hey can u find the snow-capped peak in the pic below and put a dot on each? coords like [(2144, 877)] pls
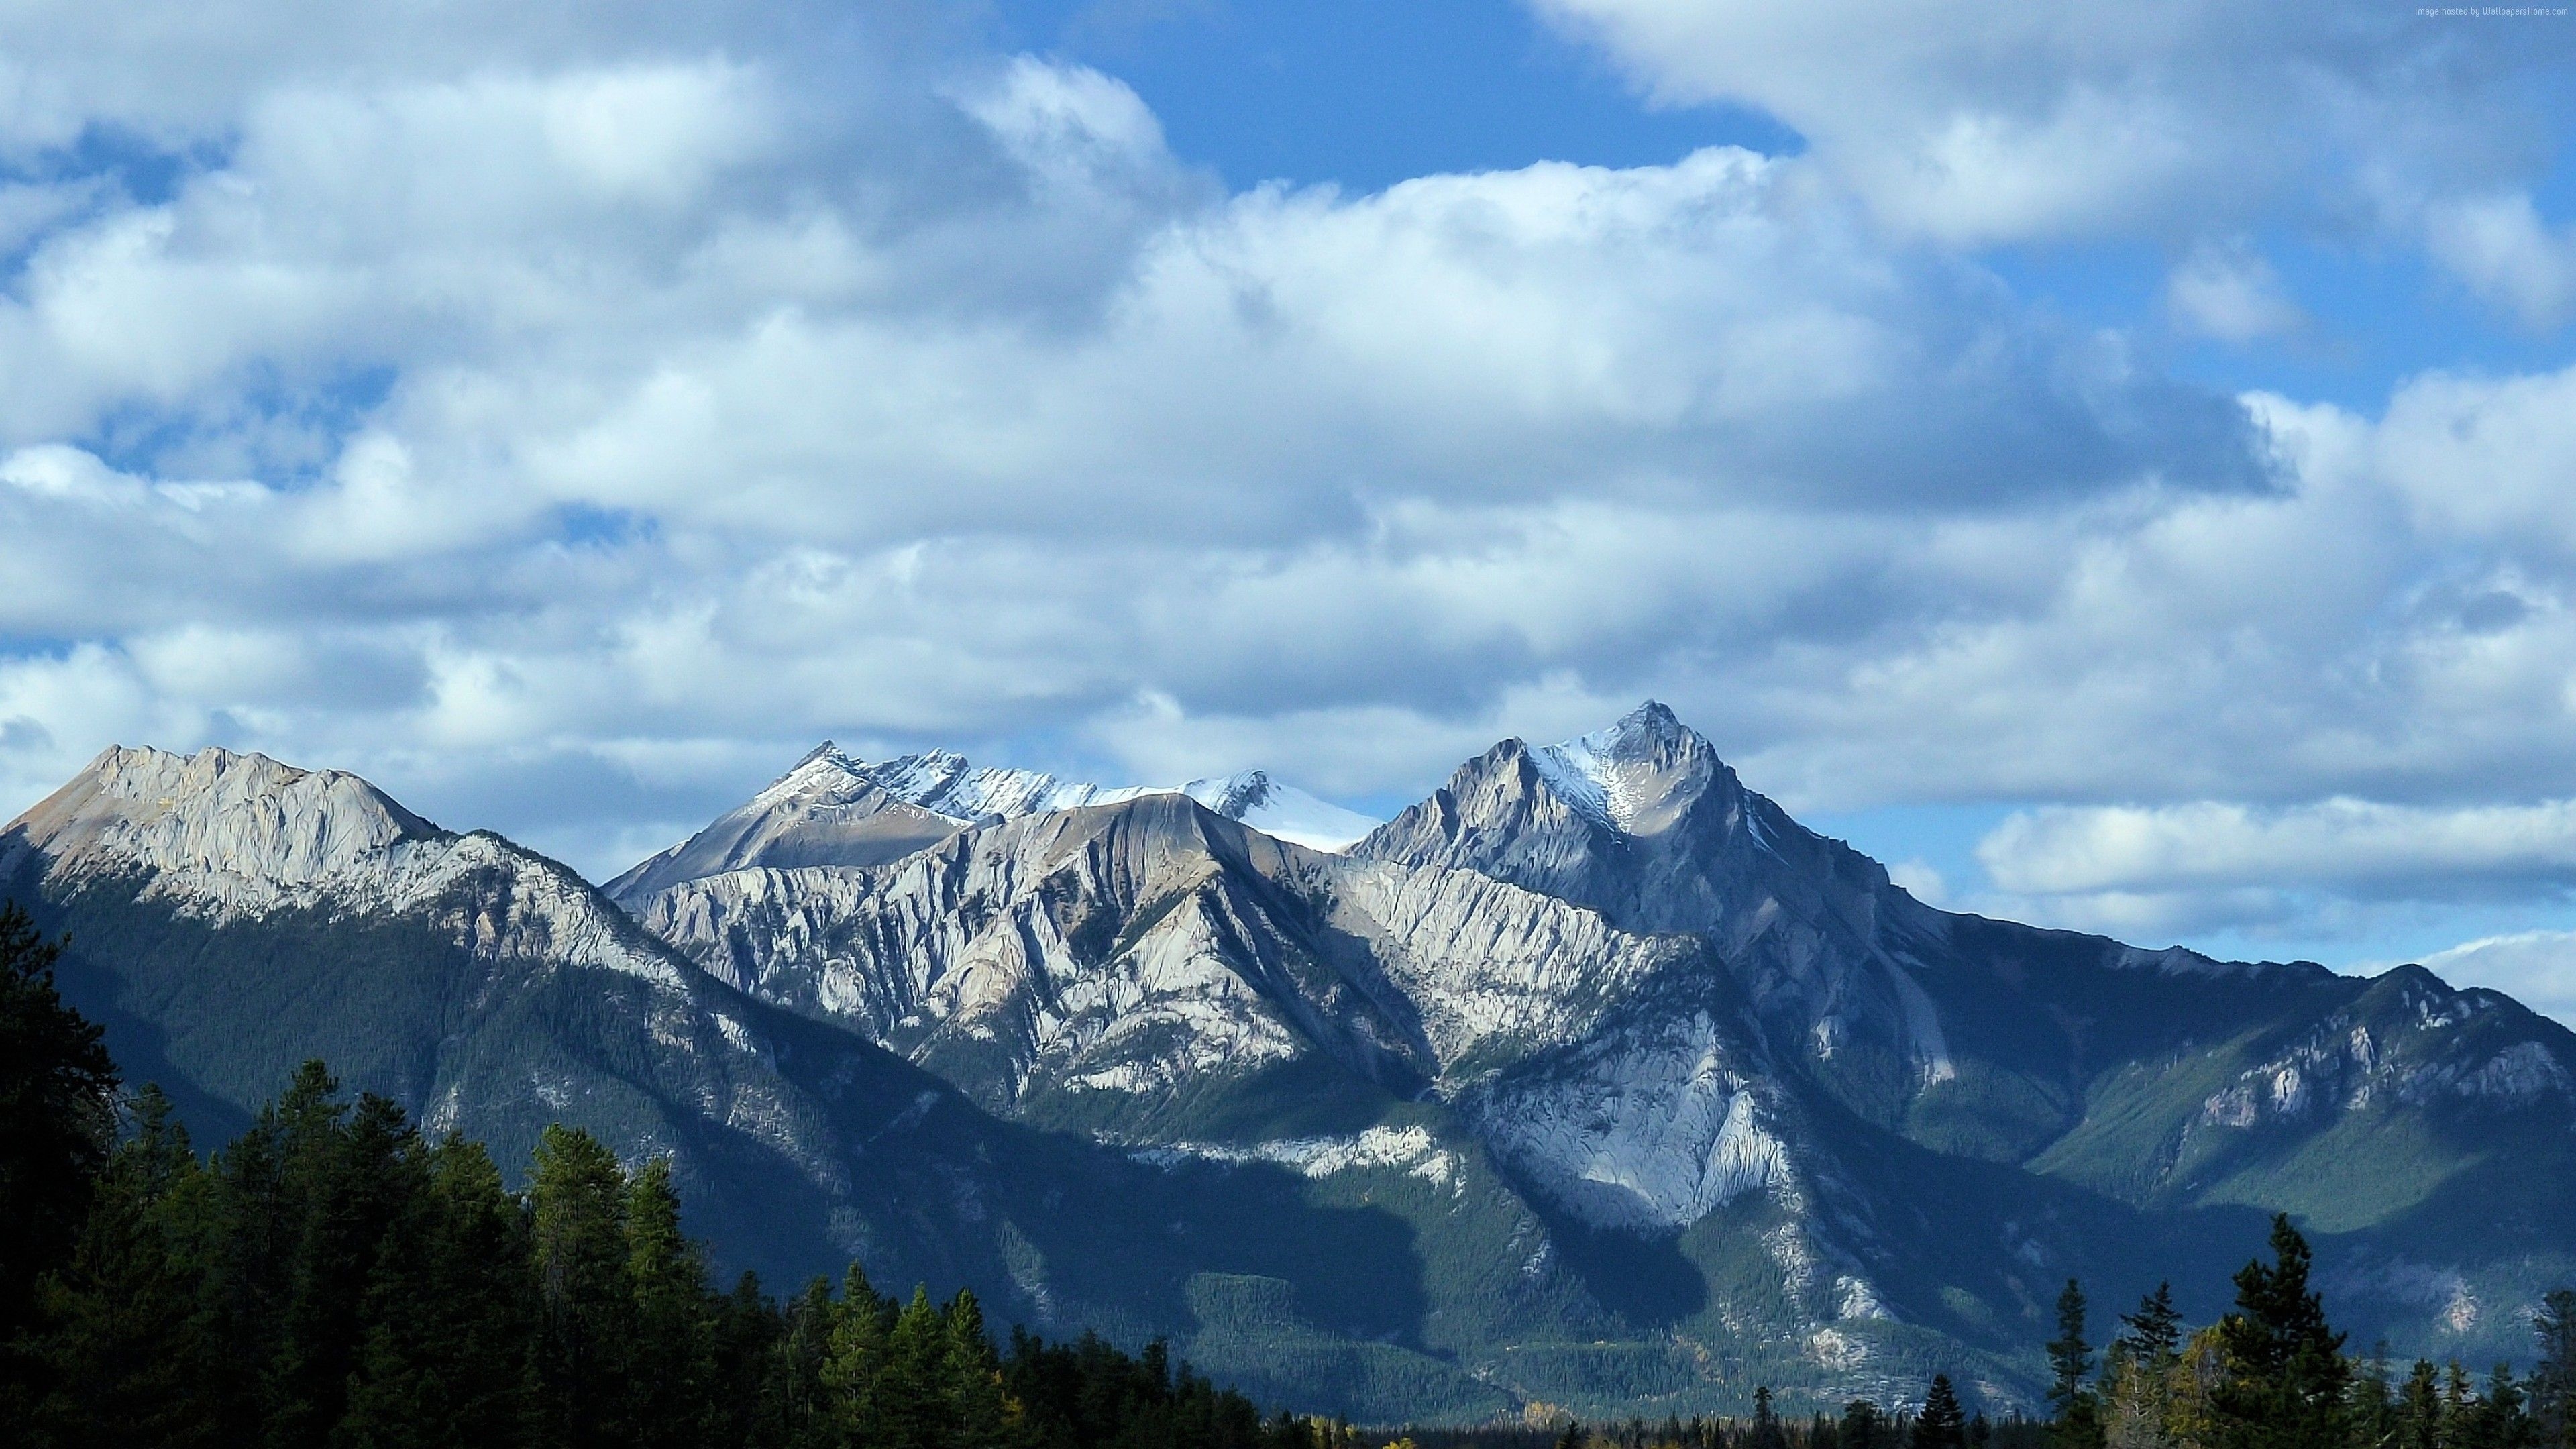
[(1282, 811), (824, 772), (951, 785), (1632, 774), (954, 786)]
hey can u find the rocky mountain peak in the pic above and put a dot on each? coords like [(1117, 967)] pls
[(1637, 775), (828, 810), (824, 771), (213, 812)]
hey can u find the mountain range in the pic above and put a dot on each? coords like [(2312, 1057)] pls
[(1592, 1080)]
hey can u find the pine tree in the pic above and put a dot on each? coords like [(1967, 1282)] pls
[(913, 1389), (854, 1366), (1940, 1425), (577, 1197), (57, 1127), (1863, 1426), (745, 1325), (2070, 1359), (2419, 1408), (449, 1360), (124, 1342), (2499, 1420), (350, 1176), (2373, 1414), (792, 1400), (2553, 1378), (2155, 1330), (2286, 1372), (672, 1362), (984, 1416)]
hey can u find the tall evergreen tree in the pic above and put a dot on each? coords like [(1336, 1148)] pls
[(984, 1416), (2419, 1408), (125, 1348), (671, 1366), (2553, 1378), (1940, 1425), (2372, 1418), (349, 1177), (854, 1365), (586, 1315), (2155, 1330), (1863, 1426), (2284, 1387), (2070, 1359), (2499, 1420), (57, 1126), (913, 1390), (449, 1360), (791, 1403)]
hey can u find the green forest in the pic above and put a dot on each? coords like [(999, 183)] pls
[(335, 1279)]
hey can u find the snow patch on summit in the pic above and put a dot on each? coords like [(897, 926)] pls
[(1625, 775), (954, 786)]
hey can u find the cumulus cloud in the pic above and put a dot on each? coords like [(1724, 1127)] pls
[(2230, 293), (2022, 120), (572, 428), (2537, 968), (2355, 845), (2501, 248)]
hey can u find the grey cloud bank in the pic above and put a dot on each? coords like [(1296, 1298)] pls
[(566, 427)]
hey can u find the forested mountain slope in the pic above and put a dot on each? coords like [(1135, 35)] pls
[(1592, 1079)]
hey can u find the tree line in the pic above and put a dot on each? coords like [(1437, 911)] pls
[(2274, 1374), (334, 1279), (2270, 1374)]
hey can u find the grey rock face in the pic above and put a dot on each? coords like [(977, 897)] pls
[(1621, 1055), (244, 915), (1642, 988)]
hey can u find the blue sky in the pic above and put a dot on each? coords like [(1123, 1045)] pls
[(2113, 465)]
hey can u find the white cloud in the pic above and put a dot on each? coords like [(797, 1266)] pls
[(2501, 248), (2230, 293), (2355, 846), (2014, 119), (576, 424), (2536, 968)]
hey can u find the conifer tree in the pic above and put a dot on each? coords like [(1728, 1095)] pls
[(2373, 1414), (2553, 1379), (983, 1415), (577, 1198), (57, 1127), (2499, 1421), (672, 1363), (913, 1388), (854, 1365), (450, 1357), (2070, 1358), (123, 1344), (1940, 1425), (2457, 1401), (348, 1177), (1863, 1426), (2419, 1408), (792, 1402), (2155, 1330), (2286, 1373)]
